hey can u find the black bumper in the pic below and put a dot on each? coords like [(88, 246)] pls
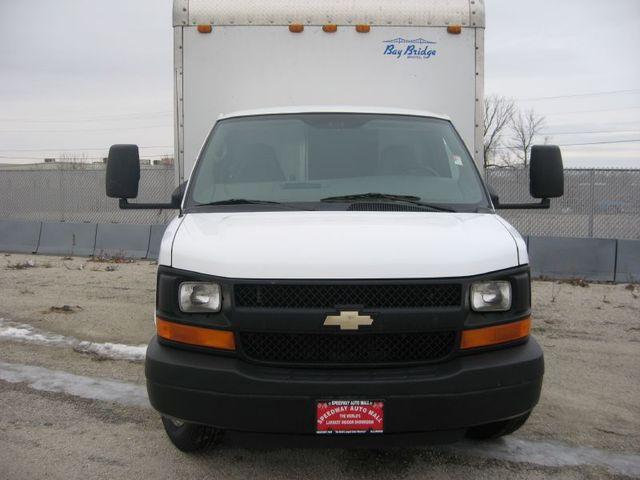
[(234, 395)]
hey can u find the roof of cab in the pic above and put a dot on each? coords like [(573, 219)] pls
[(332, 109), (340, 12)]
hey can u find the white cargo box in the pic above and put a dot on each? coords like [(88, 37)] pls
[(251, 59)]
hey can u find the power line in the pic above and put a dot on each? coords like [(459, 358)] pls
[(123, 116), (88, 129), (598, 143), (576, 144), (595, 111), (10, 157), (591, 94), (78, 149), (621, 132)]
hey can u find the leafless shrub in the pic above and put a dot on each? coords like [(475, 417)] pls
[(118, 257)]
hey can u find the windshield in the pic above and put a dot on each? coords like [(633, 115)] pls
[(300, 158)]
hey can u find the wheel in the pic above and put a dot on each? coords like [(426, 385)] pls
[(190, 437), (497, 429)]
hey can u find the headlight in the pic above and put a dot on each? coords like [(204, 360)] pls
[(491, 296), (200, 297)]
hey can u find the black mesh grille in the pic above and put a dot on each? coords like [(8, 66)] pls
[(332, 296), (298, 348), (386, 207)]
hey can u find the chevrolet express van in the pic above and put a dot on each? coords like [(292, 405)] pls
[(336, 274)]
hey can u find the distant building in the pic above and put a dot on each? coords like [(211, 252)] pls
[(164, 162)]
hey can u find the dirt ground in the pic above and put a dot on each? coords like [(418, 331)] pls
[(587, 424)]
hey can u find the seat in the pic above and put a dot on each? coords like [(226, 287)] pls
[(398, 160)]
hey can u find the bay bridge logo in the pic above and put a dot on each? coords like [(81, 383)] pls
[(414, 49)]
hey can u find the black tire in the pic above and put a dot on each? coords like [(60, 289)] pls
[(490, 431), (190, 437)]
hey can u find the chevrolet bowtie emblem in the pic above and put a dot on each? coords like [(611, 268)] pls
[(348, 320)]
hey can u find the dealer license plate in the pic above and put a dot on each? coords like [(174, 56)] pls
[(350, 416)]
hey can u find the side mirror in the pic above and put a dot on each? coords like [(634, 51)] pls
[(123, 178), (546, 172), (123, 171)]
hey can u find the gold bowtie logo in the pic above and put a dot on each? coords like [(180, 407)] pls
[(348, 320)]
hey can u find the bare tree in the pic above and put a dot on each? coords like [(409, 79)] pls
[(498, 113), (525, 127)]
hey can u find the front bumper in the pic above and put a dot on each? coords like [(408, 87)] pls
[(234, 395)]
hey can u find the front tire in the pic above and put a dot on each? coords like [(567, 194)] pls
[(494, 430), (190, 437)]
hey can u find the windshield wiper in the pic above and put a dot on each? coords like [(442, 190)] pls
[(238, 201), (372, 196), (244, 201), (386, 197)]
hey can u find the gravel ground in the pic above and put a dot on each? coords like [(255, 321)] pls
[(58, 421)]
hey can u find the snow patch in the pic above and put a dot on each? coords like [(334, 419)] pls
[(26, 333), (116, 351), (21, 332), (56, 381), (550, 454)]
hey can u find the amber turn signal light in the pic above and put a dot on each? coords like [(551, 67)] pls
[(205, 28), (330, 28), (362, 28), (484, 337), (296, 28), (454, 29), (201, 337)]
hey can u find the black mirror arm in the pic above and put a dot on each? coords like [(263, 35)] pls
[(544, 204), (125, 205)]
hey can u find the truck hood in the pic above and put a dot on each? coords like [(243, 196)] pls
[(343, 245)]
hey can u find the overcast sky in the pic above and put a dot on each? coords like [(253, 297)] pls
[(79, 75)]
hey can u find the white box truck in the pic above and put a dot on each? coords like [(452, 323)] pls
[(337, 273)]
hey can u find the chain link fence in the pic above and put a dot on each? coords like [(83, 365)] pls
[(597, 203), (78, 195)]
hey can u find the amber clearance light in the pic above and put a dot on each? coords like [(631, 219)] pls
[(202, 337), (205, 28), (484, 337)]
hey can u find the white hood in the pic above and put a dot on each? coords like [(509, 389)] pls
[(342, 245)]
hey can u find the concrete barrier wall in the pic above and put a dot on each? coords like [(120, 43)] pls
[(81, 239), (157, 231), (550, 257), (19, 237), (59, 238), (628, 261), (117, 239), (587, 258)]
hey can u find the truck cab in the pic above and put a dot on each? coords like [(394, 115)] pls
[(338, 274)]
